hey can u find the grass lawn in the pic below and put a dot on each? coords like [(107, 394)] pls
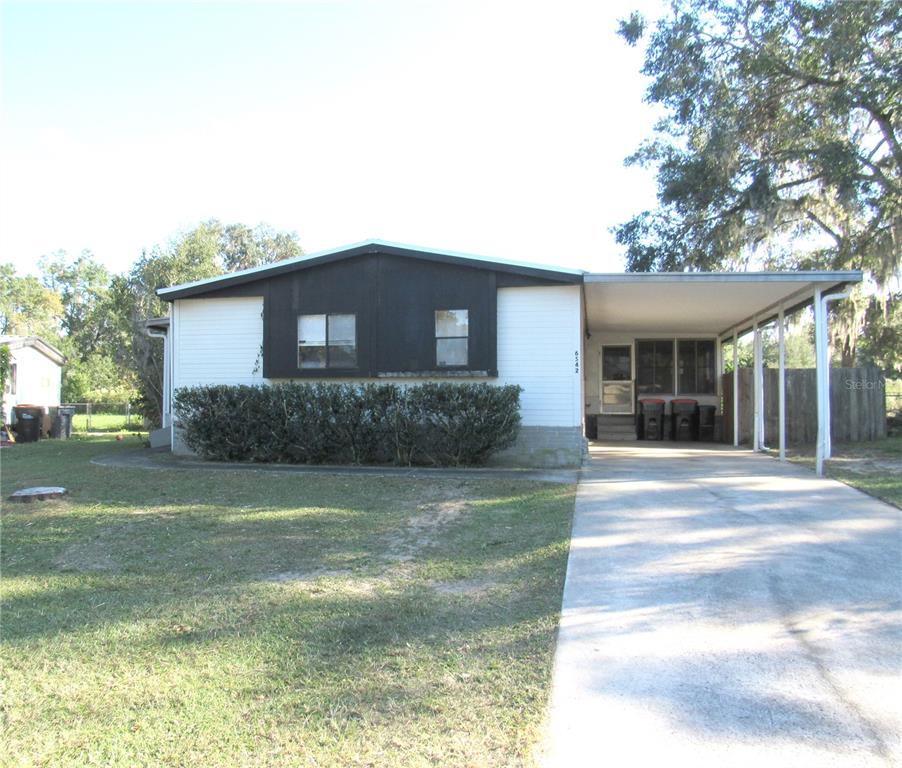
[(873, 467), (106, 422), (214, 618)]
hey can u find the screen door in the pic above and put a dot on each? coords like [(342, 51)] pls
[(617, 379)]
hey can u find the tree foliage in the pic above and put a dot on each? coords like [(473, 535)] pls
[(89, 331), (209, 249), (27, 307), (97, 319), (82, 285), (882, 345), (781, 128), (5, 370)]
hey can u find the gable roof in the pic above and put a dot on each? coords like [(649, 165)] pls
[(555, 274), (48, 350)]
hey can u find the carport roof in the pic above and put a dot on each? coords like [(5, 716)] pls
[(700, 302)]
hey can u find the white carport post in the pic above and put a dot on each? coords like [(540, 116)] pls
[(735, 388), (822, 357), (781, 385), (757, 390), (820, 361)]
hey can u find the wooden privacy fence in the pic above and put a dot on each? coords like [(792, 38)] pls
[(857, 405)]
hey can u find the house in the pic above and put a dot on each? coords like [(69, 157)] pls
[(584, 347), (35, 375)]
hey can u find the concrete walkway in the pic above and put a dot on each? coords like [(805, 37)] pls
[(724, 609)]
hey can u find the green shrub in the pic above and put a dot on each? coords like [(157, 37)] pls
[(439, 424)]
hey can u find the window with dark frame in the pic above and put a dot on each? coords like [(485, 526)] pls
[(695, 367), (654, 367), (327, 341), (452, 336)]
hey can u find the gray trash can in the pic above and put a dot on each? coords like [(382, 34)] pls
[(706, 420), (685, 419), (62, 423), (651, 419)]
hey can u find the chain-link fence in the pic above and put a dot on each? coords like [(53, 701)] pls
[(105, 417)]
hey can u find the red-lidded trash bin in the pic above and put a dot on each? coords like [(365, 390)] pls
[(684, 424), (651, 419)]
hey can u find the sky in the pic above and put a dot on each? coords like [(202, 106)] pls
[(488, 127)]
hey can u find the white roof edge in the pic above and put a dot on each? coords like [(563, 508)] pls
[(36, 342), (799, 276), (361, 244), (471, 257)]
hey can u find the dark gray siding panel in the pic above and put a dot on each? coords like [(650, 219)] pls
[(394, 298), (410, 294), (344, 287)]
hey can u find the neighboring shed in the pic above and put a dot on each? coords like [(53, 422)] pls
[(35, 375)]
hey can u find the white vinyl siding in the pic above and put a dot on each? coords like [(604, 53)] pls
[(217, 341), (539, 347)]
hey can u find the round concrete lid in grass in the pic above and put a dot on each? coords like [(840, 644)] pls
[(38, 493)]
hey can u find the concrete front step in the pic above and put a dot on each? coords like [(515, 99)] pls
[(615, 427)]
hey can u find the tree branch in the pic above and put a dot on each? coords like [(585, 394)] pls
[(836, 237)]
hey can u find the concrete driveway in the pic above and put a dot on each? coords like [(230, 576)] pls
[(724, 609)]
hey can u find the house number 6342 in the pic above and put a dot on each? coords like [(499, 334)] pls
[(576, 366)]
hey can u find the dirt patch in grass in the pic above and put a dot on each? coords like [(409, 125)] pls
[(302, 577), (866, 466), (93, 556), (465, 587), (874, 467), (423, 529)]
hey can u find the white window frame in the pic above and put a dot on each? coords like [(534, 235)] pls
[(438, 338), (326, 345)]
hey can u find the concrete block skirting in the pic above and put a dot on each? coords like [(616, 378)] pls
[(544, 447), (178, 442)]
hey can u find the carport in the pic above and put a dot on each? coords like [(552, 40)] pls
[(623, 312)]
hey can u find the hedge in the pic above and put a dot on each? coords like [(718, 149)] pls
[(439, 424)]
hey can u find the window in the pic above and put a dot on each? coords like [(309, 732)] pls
[(654, 367), (695, 367), (615, 364), (452, 332), (327, 341), (13, 373)]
